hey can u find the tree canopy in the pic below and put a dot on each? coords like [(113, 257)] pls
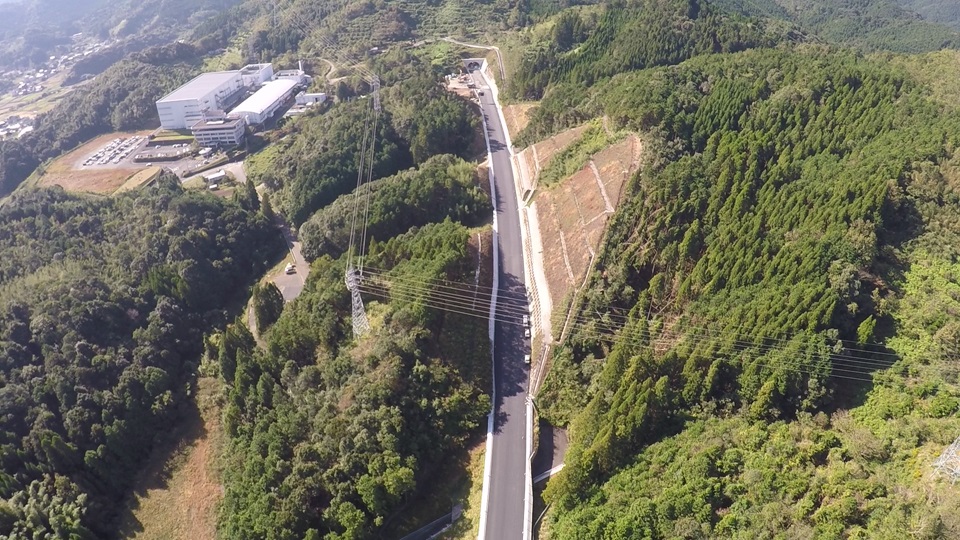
[(103, 303)]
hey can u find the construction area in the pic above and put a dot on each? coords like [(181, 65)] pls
[(566, 219), (573, 214)]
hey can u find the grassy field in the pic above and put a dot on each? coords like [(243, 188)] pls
[(178, 493), (140, 179)]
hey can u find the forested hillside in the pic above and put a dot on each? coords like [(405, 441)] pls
[(103, 305), (760, 350), (354, 430), (672, 32), (331, 436), (443, 187), (893, 25), (945, 12)]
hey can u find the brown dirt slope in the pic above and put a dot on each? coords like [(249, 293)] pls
[(573, 215), (536, 157), (517, 116), (177, 496)]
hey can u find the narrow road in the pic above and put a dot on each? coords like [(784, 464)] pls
[(291, 285), (505, 512)]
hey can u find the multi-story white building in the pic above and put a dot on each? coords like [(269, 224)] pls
[(184, 107), (219, 131)]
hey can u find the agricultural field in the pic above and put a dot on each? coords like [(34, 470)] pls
[(34, 104)]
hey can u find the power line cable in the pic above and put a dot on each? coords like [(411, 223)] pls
[(751, 339), (591, 329), (849, 374)]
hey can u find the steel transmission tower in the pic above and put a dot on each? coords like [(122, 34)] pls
[(948, 464), (353, 275), (360, 324)]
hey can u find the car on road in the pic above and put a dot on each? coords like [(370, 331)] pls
[(526, 320), (290, 269), (526, 359), (526, 333), (480, 92)]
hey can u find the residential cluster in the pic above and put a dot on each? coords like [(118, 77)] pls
[(30, 81), (218, 106), (15, 127)]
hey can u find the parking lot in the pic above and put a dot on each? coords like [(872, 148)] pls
[(138, 152), (115, 152)]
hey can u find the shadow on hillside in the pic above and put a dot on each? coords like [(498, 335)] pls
[(163, 461)]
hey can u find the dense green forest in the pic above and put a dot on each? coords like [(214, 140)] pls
[(672, 32), (893, 25), (330, 436), (443, 187), (102, 307), (765, 304), (318, 161)]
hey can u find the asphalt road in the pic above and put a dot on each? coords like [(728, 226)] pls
[(508, 465), (291, 285)]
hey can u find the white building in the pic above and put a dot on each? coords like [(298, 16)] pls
[(220, 131), (184, 107), (257, 108), (218, 176), (294, 75), (304, 98), (253, 75)]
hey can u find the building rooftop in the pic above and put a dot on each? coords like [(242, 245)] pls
[(253, 68), (199, 86), (216, 124), (263, 98)]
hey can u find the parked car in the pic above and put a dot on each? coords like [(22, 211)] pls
[(290, 269)]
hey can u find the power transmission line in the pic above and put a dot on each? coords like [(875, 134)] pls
[(639, 338), (623, 320), (431, 296)]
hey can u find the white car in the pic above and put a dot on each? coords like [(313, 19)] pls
[(526, 333), (290, 269), (526, 359)]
